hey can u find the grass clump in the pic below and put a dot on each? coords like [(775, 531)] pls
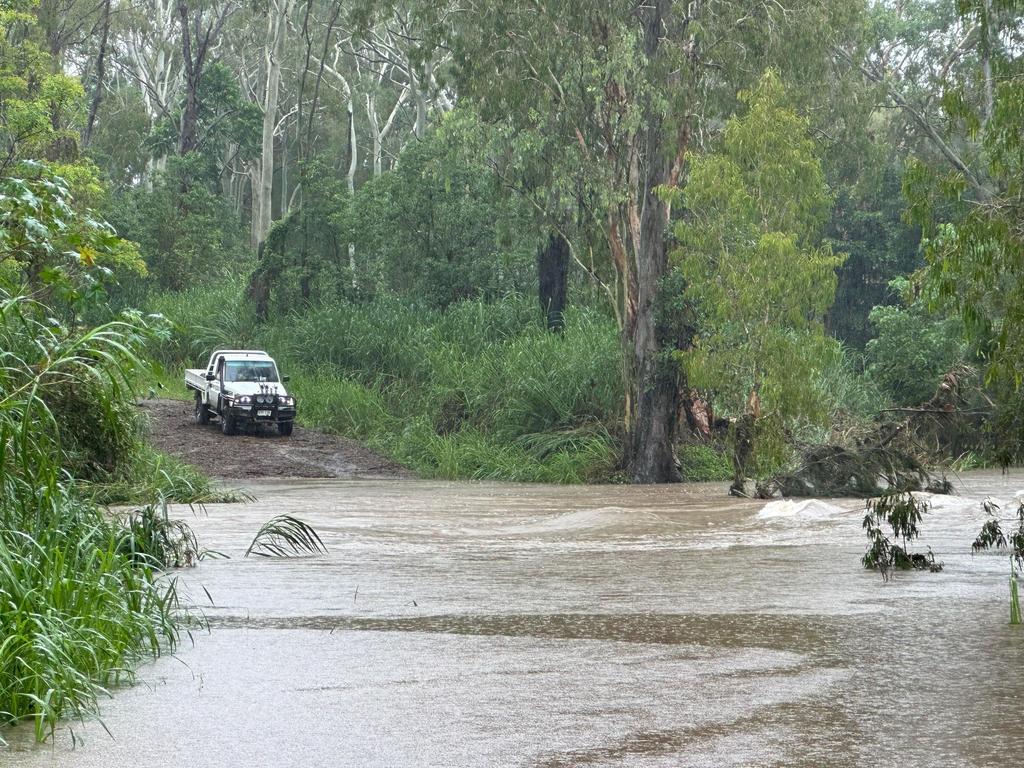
[(76, 609), (701, 462), (150, 474)]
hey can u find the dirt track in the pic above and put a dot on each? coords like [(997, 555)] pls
[(307, 453)]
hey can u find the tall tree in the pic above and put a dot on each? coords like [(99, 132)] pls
[(263, 170), (751, 252), (973, 216)]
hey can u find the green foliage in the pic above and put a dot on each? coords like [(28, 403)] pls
[(748, 252), (283, 536), (187, 233), (152, 538), (226, 118), (913, 348), (41, 108), (99, 430), (901, 512), (481, 390), (147, 474), (435, 228), (973, 230), (700, 462), (48, 243)]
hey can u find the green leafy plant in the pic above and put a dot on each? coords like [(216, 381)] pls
[(76, 610), (152, 537), (901, 513), (284, 536)]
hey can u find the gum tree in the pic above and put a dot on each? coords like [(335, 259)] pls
[(751, 253)]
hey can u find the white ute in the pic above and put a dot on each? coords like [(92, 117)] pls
[(241, 387)]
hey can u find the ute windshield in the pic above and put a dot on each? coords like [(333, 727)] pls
[(250, 370)]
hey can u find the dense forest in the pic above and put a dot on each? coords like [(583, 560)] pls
[(559, 241)]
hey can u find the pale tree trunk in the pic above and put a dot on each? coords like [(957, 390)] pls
[(378, 144), (419, 91), (254, 183), (379, 133), (150, 59), (283, 202), (277, 19), (351, 178)]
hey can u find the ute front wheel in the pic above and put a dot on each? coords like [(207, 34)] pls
[(202, 412), (227, 424), (285, 428)]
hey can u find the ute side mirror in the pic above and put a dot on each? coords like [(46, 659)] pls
[(211, 377), (285, 379)]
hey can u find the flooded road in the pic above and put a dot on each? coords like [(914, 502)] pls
[(511, 625)]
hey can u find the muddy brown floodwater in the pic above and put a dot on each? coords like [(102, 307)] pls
[(513, 625)]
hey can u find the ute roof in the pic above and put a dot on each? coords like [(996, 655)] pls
[(239, 354)]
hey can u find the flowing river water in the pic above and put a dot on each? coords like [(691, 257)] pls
[(521, 625)]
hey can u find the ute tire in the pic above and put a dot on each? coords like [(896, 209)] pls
[(227, 424), (202, 412), (285, 428)]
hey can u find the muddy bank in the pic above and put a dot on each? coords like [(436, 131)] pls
[(264, 453)]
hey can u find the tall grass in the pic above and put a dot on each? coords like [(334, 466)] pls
[(75, 610)]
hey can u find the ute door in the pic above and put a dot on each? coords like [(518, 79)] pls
[(217, 385)]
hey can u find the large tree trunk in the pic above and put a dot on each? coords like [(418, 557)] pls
[(193, 54), (654, 379), (189, 127), (552, 279)]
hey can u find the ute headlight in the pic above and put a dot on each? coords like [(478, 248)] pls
[(287, 400), (244, 400)]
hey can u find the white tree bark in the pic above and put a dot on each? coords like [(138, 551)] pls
[(263, 175)]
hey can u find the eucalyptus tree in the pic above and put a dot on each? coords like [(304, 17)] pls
[(757, 270), (201, 25), (628, 89), (147, 57), (268, 97)]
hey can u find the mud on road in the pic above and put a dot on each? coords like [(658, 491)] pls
[(260, 453)]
